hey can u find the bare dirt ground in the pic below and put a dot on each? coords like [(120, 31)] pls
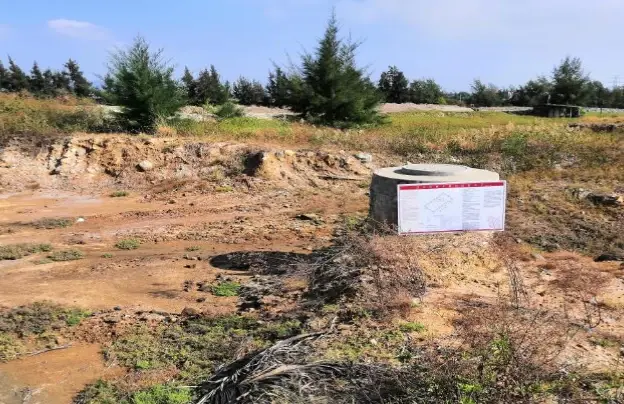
[(187, 208)]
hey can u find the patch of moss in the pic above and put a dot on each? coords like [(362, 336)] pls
[(412, 327)]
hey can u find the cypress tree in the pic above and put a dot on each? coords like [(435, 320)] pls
[(189, 86), (332, 89), (4, 77), (18, 80), (37, 81), (80, 86)]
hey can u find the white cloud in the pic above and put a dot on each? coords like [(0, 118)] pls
[(79, 29), (552, 20), (5, 31)]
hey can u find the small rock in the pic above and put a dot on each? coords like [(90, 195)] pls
[(610, 256), (538, 257), (310, 216), (117, 308), (190, 312), (112, 319), (152, 317), (606, 200), (145, 165), (172, 202), (364, 157), (80, 220), (289, 152), (373, 341), (201, 300), (190, 266)]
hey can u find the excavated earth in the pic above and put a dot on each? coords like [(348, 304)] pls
[(190, 201)]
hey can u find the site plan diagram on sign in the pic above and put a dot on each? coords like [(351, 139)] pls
[(451, 207)]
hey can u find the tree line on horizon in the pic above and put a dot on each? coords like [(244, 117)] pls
[(568, 84), (326, 87)]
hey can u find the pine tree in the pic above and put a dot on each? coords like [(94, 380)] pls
[(141, 82), (569, 83), (80, 86), (278, 88), (4, 77), (249, 92), (18, 80), (332, 89), (485, 95), (37, 82), (189, 86), (49, 89), (61, 82), (394, 86), (209, 88)]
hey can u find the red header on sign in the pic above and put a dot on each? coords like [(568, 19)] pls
[(409, 187)]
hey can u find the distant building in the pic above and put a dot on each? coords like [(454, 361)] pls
[(557, 111)]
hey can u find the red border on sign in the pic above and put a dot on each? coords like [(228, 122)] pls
[(406, 187), (415, 187)]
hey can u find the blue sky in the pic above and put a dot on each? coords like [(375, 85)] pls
[(505, 42)]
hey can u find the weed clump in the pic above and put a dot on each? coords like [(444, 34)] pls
[(119, 194), (52, 223), (10, 347), (66, 255), (412, 327), (102, 392), (38, 317), (128, 244), (226, 289), (197, 346), (17, 251)]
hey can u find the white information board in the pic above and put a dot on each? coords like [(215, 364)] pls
[(451, 207)]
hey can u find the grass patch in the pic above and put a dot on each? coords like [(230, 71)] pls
[(10, 347), (128, 244), (196, 346), (119, 194), (39, 318), (53, 223), (226, 289), (103, 392), (412, 327), (66, 255), (224, 188), (107, 255), (193, 248), (17, 251)]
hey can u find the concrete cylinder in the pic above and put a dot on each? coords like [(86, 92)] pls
[(383, 189)]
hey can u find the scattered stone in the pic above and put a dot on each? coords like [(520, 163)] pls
[(364, 157), (190, 266), (190, 312), (289, 152), (153, 317), (117, 308), (80, 220), (145, 165), (313, 217), (538, 257), (610, 256), (201, 300), (606, 200), (112, 319), (172, 202)]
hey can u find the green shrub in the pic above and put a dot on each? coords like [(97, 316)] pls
[(193, 248), (142, 83), (10, 347), (66, 255), (119, 194), (17, 251), (107, 255), (224, 188), (128, 244), (412, 327), (52, 223), (226, 289), (38, 318), (161, 394), (229, 110)]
